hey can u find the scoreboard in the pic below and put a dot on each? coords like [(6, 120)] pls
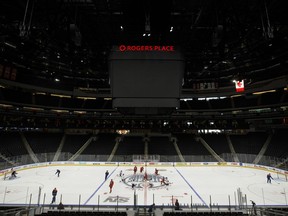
[(146, 79)]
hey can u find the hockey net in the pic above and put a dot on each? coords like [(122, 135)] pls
[(7, 175)]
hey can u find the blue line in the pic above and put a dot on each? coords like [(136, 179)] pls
[(191, 187), (99, 188)]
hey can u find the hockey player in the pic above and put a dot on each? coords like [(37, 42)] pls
[(145, 176), (269, 177), (54, 194), (121, 176), (141, 169), (106, 175), (135, 169), (156, 171), (111, 184), (13, 174), (164, 181), (57, 172), (177, 205)]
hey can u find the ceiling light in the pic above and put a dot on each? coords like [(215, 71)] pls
[(79, 112), (263, 92), (235, 96), (10, 45), (86, 98), (123, 132), (60, 111), (33, 108), (61, 96), (147, 26)]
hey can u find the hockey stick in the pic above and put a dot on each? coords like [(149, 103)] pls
[(275, 181)]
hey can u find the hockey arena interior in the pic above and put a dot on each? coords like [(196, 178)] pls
[(141, 107)]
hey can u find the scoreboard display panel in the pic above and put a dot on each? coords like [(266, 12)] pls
[(146, 76)]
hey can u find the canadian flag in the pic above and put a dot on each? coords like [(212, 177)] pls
[(239, 85)]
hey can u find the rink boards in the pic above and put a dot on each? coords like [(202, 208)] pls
[(191, 183)]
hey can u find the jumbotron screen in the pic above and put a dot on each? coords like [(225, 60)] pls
[(146, 76)]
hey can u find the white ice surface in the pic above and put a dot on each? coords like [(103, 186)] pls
[(198, 185)]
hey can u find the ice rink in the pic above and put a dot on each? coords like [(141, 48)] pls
[(200, 185)]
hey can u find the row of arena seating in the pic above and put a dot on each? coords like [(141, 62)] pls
[(89, 213), (83, 213), (28, 98), (203, 214), (103, 144)]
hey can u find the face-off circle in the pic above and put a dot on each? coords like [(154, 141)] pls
[(139, 181)]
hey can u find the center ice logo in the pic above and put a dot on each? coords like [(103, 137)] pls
[(139, 182), (114, 199)]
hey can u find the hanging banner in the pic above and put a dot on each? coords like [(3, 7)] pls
[(239, 85)]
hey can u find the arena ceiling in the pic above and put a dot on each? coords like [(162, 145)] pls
[(65, 45), (70, 40)]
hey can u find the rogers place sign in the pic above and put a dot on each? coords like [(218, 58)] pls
[(124, 48)]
